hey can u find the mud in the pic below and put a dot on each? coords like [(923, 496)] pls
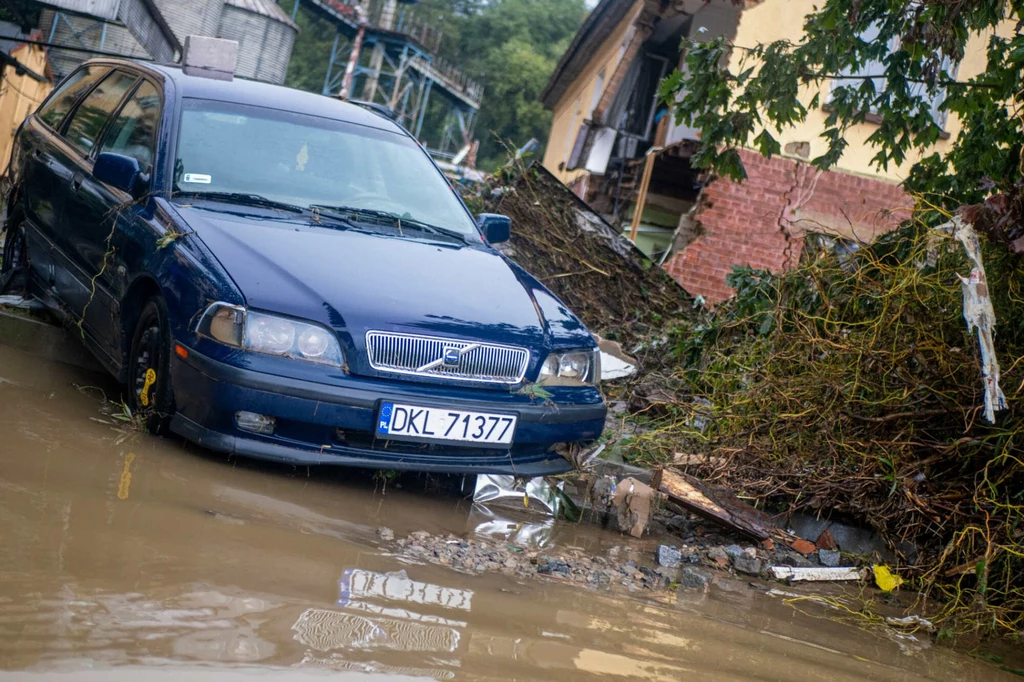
[(129, 557)]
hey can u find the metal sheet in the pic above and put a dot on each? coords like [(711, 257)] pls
[(100, 9)]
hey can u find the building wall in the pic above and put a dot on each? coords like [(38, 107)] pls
[(760, 221), (578, 101), (20, 95), (771, 20)]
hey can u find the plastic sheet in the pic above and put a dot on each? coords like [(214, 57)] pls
[(980, 315)]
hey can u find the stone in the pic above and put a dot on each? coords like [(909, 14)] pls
[(733, 551), (826, 540), (750, 553), (803, 546), (718, 556), (669, 557), (694, 578), (386, 534), (829, 557), (747, 565)]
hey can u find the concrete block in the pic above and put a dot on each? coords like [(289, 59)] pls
[(210, 57)]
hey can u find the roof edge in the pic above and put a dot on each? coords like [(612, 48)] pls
[(552, 92)]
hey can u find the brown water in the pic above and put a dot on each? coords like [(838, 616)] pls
[(144, 559)]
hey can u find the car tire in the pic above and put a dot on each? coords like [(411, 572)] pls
[(150, 393), (15, 260)]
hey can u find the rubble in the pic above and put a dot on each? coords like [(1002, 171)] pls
[(599, 274), (669, 557), (829, 557)]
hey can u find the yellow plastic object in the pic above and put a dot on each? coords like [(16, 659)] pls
[(150, 380), (886, 580)]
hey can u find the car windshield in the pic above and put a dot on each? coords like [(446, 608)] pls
[(302, 160)]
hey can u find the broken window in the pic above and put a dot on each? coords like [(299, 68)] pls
[(875, 71)]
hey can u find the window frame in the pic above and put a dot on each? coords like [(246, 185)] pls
[(143, 78), (90, 154), (74, 107), (872, 116)]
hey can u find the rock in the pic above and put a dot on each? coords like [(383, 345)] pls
[(803, 546), (826, 540), (793, 559), (420, 535), (733, 551), (750, 553), (386, 534), (829, 557), (718, 556), (669, 557), (747, 565), (694, 578)]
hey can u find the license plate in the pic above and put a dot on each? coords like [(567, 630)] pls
[(414, 422)]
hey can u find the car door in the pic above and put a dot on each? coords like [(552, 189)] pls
[(79, 240), (110, 225), (46, 166)]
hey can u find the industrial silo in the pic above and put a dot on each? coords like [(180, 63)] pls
[(265, 36), (264, 32), (192, 17)]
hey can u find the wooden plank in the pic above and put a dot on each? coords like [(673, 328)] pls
[(715, 505)]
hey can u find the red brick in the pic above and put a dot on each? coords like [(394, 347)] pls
[(741, 221)]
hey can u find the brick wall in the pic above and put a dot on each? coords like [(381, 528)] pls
[(761, 221)]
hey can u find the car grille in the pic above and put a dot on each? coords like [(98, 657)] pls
[(422, 356)]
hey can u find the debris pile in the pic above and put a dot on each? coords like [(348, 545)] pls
[(851, 386), (594, 270)]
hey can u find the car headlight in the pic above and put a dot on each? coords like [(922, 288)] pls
[(571, 368), (271, 334)]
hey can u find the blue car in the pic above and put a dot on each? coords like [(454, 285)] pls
[(283, 275)]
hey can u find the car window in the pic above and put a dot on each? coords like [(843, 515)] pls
[(70, 91), (306, 160), (133, 133), (91, 115)]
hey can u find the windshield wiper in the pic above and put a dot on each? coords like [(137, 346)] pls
[(352, 213), (246, 199)]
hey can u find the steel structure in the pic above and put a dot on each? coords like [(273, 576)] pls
[(390, 60)]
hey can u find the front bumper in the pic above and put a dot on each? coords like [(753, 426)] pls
[(334, 424)]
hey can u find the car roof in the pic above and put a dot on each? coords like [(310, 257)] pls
[(244, 91)]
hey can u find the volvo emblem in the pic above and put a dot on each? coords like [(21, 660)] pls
[(452, 357)]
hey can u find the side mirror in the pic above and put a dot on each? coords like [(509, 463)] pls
[(122, 172), (496, 228)]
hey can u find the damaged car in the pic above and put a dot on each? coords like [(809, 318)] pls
[(282, 275)]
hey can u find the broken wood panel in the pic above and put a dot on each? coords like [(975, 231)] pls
[(715, 505)]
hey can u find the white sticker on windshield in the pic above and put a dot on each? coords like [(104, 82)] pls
[(199, 178)]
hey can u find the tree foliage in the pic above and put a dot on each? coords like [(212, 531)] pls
[(918, 44)]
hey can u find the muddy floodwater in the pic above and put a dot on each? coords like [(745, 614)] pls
[(138, 558)]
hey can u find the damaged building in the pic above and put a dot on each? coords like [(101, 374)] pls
[(619, 149)]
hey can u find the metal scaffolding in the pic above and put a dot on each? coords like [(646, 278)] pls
[(389, 64)]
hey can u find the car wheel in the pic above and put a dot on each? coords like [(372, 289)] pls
[(149, 366), (15, 261)]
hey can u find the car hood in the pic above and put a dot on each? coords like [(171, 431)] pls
[(355, 281)]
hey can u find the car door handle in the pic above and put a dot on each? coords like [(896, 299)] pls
[(76, 181)]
